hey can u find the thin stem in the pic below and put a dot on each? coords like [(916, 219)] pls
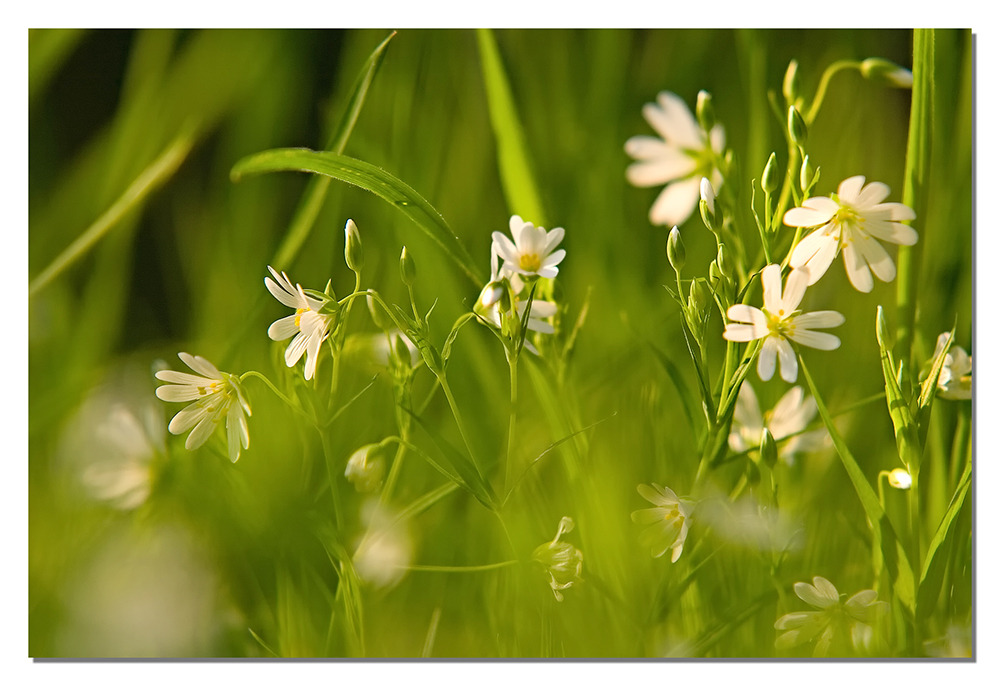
[(512, 362), (960, 445), (331, 472), (274, 390), (473, 568), (458, 419), (824, 83), (397, 465)]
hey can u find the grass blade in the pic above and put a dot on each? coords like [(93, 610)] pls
[(887, 547), (519, 185), (315, 193), (903, 423), (372, 179)]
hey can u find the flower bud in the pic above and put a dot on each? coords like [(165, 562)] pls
[(379, 316), (770, 179), (705, 111), (354, 254), (708, 194), (725, 262), (882, 331), (805, 174), (365, 468), (796, 127), (768, 448), (562, 561), (407, 269), (901, 479), (676, 254), (886, 73), (790, 86), (700, 295)]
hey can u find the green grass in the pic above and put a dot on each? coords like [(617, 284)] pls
[(150, 230)]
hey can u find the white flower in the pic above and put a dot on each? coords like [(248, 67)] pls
[(900, 478), (781, 321), (679, 158), (955, 381), (563, 561), (670, 521), (791, 415), (492, 299), (708, 195), (836, 618), (217, 396), (309, 327), (531, 251), (849, 221), (385, 551)]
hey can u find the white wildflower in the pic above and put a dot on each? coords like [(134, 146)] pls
[(849, 221), (366, 468), (309, 326), (791, 415), (670, 521), (562, 561), (955, 381), (531, 251), (679, 158), (836, 619), (217, 395), (781, 321)]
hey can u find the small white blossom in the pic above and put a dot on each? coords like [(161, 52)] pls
[(850, 221), (217, 395), (792, 414), (309, 327), (836, 618), (781, 321), (679, 158), (670, 521), (366, 468), (708, 194), (955, 381), (900, 478), (491, 300), (386, 550), (562, 561), (531, 251)]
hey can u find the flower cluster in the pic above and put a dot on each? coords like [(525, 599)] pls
[(836, 620)]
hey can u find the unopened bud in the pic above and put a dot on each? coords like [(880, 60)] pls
[(796, 127), (700, 294), (708, 194), (354, 254), (705, 111), (901, 479), (365, 468), (675, 250), (725, 262), (379, 316), (887, 73), (790, 86), (805, 174), (882, 331), (407, 269), (769, 180), (768, 448)]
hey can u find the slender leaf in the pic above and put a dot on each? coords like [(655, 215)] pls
[(936, 560), (459, 323), (315, 193), (887, 547), (687, 404), (519, 185), (371, 178), (903, 422)]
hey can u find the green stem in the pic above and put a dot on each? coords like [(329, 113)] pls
[(458, 419), (959, 445), (274, 390), (473, 568), (824, 83), (512, 362), (331, 472)]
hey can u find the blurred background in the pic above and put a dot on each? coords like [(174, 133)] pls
[(139, 547)]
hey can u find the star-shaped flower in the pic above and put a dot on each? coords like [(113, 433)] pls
[(309, 326), (679, 158), (217, 396), (850, 221), (531, 251), (836, 618), (790, 416), (955, 381), (670, 521), (781, 321)]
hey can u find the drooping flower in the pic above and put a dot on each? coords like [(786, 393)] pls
[(670, 521), (955, 381), (836, 619), (531, 251), (781, 321), (217, 395), (850, 221), (309, 326), (679, 158), (366, 468), (791, 415), (562, 561)]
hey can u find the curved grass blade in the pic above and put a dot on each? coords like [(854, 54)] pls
[(372, 179), (936, 560), (315, 193), (151, 178), (887, 547), (519, 185)]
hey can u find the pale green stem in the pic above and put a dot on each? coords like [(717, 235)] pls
[(824, 83), (331, 471), (960, 444), (512, 362), (458, 419), (274, 390), (475, 568)]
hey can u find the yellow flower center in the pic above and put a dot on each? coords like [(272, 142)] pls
[(213, 387), (778, 324), (530, 263), (298, 316)]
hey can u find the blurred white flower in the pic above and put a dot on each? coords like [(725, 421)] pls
[(217, 395), (849, 221), (670, 521), (365, 468), (955, 381), (900, 478), (385, 345), (836, 620), (792, 414), (385, 551), (308, 325), (679, 158), (957, 642), (531, 251), (750, 524), (780, 321), (562, 561)]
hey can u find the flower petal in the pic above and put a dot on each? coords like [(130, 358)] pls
[(673, 164), (849, 189), (296, 348), (283, 328), (182, 378), (649, 516), (647, 147), (676, 202), (200, 433), (178, 394), (747, 411), (283, 290), (857, 269), (891, 232), (200, 365), (188, 417), (505, 247), (553, 238), (806, 217), (895, 211), (747, 315), (770, 277), (789, 363), (658, 495), (555, 258), (817, 251), (871, 195), (767, 358), (815, 339), (795, 288), (821, 319), (742, 333), (233, 431)]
